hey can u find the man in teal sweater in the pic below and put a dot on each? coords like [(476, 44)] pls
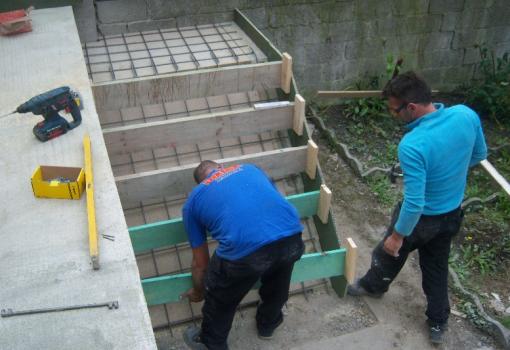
[(435, 155)]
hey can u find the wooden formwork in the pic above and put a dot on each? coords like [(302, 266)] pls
[(158, 128)]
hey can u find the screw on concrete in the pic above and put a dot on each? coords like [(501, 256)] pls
[(9, 312)]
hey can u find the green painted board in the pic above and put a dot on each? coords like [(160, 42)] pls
[(262, 42), (170, 232), (168, 289)]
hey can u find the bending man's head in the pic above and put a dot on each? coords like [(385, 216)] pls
[(409, 96), (203, 169)]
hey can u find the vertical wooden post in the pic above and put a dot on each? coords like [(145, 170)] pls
[(91, 210), (286, 72), (350, 259), (324, 203), (312, 159), (299, 114)]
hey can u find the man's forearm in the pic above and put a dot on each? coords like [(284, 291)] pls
[(198, 275)]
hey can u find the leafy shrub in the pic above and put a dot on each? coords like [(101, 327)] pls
[(489, 91)]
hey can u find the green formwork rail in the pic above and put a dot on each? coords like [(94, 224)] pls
[(169, 288), (170, 232)]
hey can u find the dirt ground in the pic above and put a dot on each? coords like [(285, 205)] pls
[(324, 321)]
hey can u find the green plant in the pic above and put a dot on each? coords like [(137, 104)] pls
[(381, 186), (472, 313), (505, 321), (481, 258), (489, 90)]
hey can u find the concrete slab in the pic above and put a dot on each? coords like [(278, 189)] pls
[(44, 255)]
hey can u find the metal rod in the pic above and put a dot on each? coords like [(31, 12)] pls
[(9, 312)]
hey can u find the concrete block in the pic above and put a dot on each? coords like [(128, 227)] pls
[(468, 38), (441, 58), (435, 41), (85, 16), (112, 28), (431, 75), (487, 36), (342, 11), (477, 4), (140, 26), (198, 19), (407, 8), (441, 6), (497, 15), (363, 49), (456, 75), (423, 23), (322, 53), (258, 16), (113, 11), (471, 55), (390, 26), (371, 9), (450, 20), (342, 31)]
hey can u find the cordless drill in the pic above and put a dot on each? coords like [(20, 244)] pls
[(48, 104)]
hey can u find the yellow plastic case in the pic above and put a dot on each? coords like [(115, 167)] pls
[(58, 182)]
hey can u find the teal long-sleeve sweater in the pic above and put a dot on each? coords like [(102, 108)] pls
[(435, 156)]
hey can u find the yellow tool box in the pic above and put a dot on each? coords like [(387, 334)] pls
[(58, 182)]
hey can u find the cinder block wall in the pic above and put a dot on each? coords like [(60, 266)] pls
[(334, 43)]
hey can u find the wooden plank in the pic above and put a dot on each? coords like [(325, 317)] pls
[(324, 203), (312, 159), (496, 175), (179, 180), (354, 94), (262, 42), (91, 209), (350, 260), (170, 232), (169, 288), (191, 130), (286, 72), (115, 95), (299, 114)]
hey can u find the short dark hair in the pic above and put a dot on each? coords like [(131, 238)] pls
[(408, 87), (202, 170)]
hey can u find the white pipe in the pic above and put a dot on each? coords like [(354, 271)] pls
[(496, 175)]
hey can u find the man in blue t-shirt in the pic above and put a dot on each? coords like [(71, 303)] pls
[(259, 238), (435, 155)]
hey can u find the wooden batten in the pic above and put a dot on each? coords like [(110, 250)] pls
[(312, 159), (299, 114), (286, 75), (324, 204), (350, 259)]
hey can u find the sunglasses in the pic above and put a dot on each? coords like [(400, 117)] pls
[(399, 109)]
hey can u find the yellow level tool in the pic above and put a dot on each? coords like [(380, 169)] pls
[(91, 210)]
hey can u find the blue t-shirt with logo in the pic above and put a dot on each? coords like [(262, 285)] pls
[(241, 209)]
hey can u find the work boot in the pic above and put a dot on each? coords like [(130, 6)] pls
[(267, 334), (192, 338), (436, 333), (357, 290)]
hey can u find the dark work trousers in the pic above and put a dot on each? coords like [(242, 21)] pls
[(432, 237), (227, 282)]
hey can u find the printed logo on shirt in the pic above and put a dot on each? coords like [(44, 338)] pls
[(222, 174)]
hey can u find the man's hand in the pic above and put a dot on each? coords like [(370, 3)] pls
[(193, 295), (393, 243)]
